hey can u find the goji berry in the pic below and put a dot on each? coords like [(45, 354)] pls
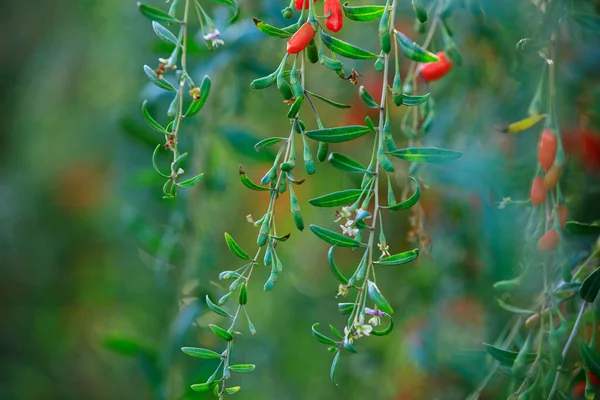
[(552, 177), (548, 242), (299, 4), (537, 194), (562, 213), (335, 21), (300, 39), (593, 378), (436, 70), (547, 149)]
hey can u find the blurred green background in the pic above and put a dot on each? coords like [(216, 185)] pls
[(103, 280)]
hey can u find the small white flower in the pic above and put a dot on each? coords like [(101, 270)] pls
[(346, 212), (361, 328), (348, 229), (374, 321), (180, 171), (214, 38)]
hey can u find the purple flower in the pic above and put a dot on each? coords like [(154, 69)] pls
[(376, 313)]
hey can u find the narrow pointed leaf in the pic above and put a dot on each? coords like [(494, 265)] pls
[(242, 367), (513, 309), (363, 13), (413, 51), (346, 49), (366, 97), (161, 83), (414, 100), (345, 308), (426, 154), (243, 295), (334, 269), (399, 259), (190, 182), (203, 387), (320, 337), (338, 134), (271, 30), (326, 100), (334, 238), (154, 154), (216, 309), (164, 34), (334, 366), (507, 357), (220, 332), (378, 298), (248, 183), (155, 14), (386, 331), (151, 121), (233, 389), (200, 353), (268, 142), (235, 248), (345, 163), (590, 287), (197, 105), (411, 201), (336, 199), (232, 5)]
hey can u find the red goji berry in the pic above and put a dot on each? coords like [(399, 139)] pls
[(537, 195), (548, 242), (547, 149), (335, 21), (299, 4), (552, 177), (300, 39), (562, 213), (593, 378), (436, 70)]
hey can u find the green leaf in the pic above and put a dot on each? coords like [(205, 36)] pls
[(235, 248), (154, 154), (338, 134), (243, 295), (581, 228), (270, 30), (233, 389), (320, 337), (200, 353), (220, 332), (216, 309), (348, 346), (398, 259), (190, 182), (161, 83), (363, 13), (334, 269), (345, 49), (386, 331), (366, 97), (414, 100), (507, 357), (248, 183), (164, 34), (337, 198), (155, 14), (203, 387), (197, 105), (513, 309), (151, 121), (590, 358), (334, 366), (346, 308), (378, 298), (413, 51), (334, 238), (326, 100), (295, 107), (242, 367), (232, 5), (411, 201), (590, 287), (426, 154), (268, 142), (345, 163), (264, 82)]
